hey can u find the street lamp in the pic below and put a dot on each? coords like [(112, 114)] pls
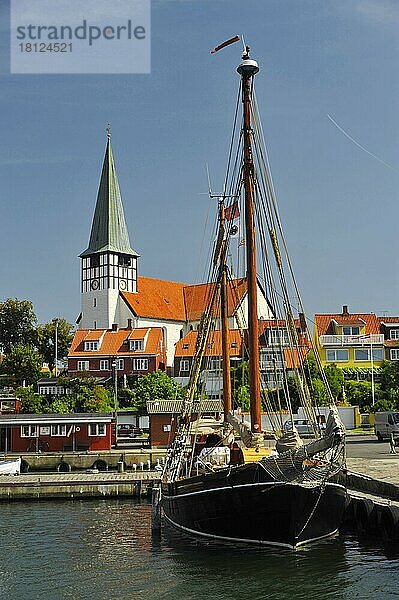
[(55, 321), (115, 367)]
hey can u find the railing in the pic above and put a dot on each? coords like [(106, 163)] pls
[(352, 340)]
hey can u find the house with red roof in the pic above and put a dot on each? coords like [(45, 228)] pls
[(351, 341), (128, 351)]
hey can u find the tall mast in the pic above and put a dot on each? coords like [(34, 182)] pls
[(224, 316), (247, 69)]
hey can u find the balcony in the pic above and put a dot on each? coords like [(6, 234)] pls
[(352, 340)]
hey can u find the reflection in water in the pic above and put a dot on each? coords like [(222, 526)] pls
[(104, 549)]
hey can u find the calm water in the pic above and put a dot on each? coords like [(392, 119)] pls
[(104, 550)]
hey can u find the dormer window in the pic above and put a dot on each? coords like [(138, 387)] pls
[(90, 346), (185, 346), (136, 345), (351, 330), (234, 344)]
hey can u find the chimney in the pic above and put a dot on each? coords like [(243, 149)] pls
[(302, 321), (129, 323), (114, 326), (345, 311)]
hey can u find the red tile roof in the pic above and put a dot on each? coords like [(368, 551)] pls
[(174, 301), (186, 346), (113, 342), (325, 322), (157, 299), (197, 296)]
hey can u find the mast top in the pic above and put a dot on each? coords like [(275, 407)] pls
[(248, 66)]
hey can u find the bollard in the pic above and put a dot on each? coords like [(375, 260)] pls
[(141, 465), (149, 465), (121, 466), (156, 508), (134, 467)]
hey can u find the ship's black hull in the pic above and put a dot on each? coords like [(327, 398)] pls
[(243, 504)]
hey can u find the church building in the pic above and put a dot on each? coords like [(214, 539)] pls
[(129, 322)]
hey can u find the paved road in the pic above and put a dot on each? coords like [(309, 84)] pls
[(367, 446), (367, 456)]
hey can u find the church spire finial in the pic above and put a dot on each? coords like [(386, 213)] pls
[(108, 130)]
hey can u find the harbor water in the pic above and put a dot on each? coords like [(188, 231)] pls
[(104, 549)]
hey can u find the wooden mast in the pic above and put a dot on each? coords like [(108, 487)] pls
[(247, 69), (224, 317)]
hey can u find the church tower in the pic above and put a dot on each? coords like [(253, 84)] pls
[(109, 264)]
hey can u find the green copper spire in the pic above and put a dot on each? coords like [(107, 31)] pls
[(109, 231)]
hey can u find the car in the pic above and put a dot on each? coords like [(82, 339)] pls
[(128, 430), (302, 426)]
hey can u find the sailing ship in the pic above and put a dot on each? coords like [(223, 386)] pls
[(223, 483)]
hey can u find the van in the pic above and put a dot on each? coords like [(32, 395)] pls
[(386, 423)]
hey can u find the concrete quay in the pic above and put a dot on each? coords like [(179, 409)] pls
[(77, 485), (81, 461)]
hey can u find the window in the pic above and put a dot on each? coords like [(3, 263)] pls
[(365, 354), (58, 430), (136, 345), (394, 354), (94, 261), (89, 346), (184, 365), (215, 364), (94, 302), (48, 390), (104, 365), (140, 364), (83, 365), (120, 364), (270, 359), (29, 431), (337, 355), (351, 330), (97, 429), (278, 337), (185, 346), (268, 379), (394, 334)]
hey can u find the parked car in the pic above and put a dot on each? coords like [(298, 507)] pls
[(127, 430), (385, 424), (302, 426)]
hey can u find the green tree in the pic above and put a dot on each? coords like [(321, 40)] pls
[(31, 401), (99, 400), (359, 393), (335, 378), (45, 340), (22, 364), (61, 404), (17, 324), (389, 375), (154, 386)]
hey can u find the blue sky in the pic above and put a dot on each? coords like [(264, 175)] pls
[(338, 203)]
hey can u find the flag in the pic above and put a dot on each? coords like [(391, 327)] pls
[(232, 212), (227, 43)]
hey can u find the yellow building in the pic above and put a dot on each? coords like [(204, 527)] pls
[(351, 341)]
